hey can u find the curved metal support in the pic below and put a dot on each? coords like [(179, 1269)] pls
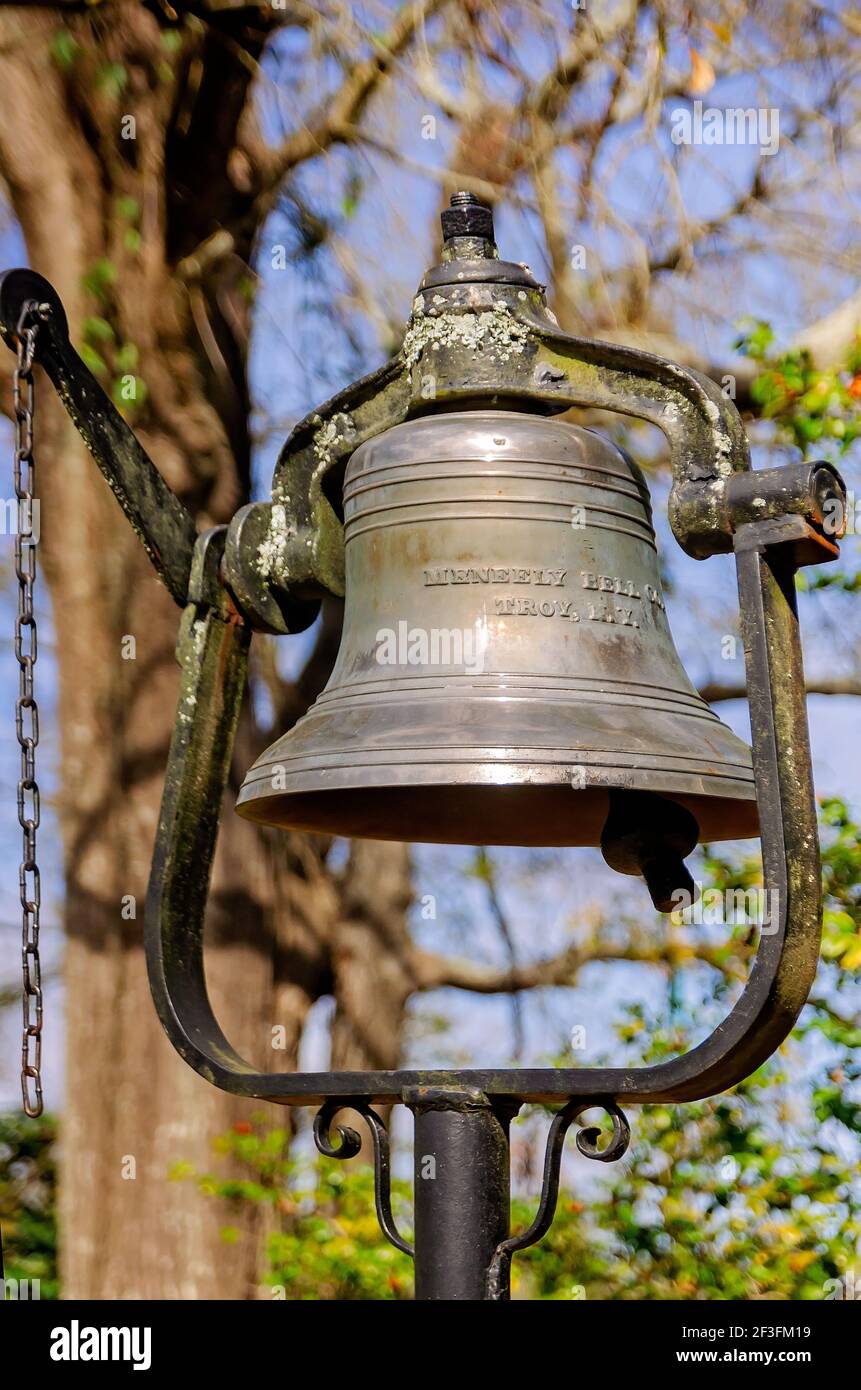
[(350, 1146), (481, 333), (292, 548), (587, 1143), (212, 650), (587, 1139), (471, 339), (213, 656)]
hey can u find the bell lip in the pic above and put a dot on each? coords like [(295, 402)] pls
[(415, 804), (532, 813)]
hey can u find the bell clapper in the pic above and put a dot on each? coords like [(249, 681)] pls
[(650, 835)]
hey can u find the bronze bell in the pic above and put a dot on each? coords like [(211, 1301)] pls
[(506, 673)]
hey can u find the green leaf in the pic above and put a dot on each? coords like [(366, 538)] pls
[(128, 208), (119, 397), (97, 364), (98, 330), (127, 358), (64, 49), (112, 78), (99, 278)]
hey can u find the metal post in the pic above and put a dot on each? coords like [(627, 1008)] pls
[(462, 1189)]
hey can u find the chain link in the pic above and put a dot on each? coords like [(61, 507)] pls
[(26, 709)]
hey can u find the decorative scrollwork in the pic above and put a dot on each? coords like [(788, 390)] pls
[(587, 1143), (587, 1139), (351, 1141), (349, 1146)]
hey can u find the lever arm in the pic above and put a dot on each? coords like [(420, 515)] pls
[(158, 518)]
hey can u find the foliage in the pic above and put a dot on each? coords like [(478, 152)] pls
[(324, 1242), (712, 1202), (738, 1197), (841, 884), (841, 889), (816, 409), (813, 405), (750, 1194), (27, 1197), (113, 362)]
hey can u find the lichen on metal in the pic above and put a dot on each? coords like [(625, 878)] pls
[(494, 329), (272, 550), (332, 433)]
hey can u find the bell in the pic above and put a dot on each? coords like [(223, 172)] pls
[(506, 673)]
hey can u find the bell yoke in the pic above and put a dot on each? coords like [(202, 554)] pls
[(506, 675)]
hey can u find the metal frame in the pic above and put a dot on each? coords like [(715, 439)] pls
[(480, 333), (212, 655)]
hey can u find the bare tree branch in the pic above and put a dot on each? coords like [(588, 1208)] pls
[(846, 1020), (441, 972), (716, 691), (829, 339), (486, 872), (343, 108)]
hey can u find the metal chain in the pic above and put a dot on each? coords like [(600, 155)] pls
[(26, 709)]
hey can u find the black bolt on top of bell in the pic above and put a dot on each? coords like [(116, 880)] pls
[(468, 216)]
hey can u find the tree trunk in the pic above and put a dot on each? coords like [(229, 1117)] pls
[(373, 980), (132, 1107)]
